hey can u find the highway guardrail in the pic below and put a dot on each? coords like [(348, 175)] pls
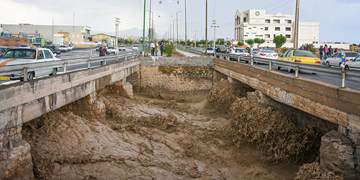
[(23, 69)]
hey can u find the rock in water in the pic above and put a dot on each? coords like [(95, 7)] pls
[(337, 155)]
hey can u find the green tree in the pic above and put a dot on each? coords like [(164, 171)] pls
[(240, 43), (279, 41), (259, 41), (250, 42), (220, 41), (228, 43)]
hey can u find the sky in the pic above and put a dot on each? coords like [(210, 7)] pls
[(338, 18)]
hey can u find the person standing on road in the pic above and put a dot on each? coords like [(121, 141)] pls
[(152, 47), (326, 51), (102, 51), (321, 51), (162, 48), (331, 51)]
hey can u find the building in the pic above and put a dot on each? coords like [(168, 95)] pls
[(78, 34), (104, 38), (257, 23)]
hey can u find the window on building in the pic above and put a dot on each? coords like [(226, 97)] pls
[(277, 21), (288, 36), (267, 35), (259, 36), (289, 21), (288, 28), (267, 21), (277, 28), (245, 19), (266, 28)]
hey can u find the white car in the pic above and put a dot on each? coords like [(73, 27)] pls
[(267, 54), (210, 51), (353, 64), (235, 53), (113, 51), (336, 61), (20, 56)]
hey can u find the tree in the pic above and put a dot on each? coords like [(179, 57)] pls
[(240, 43), (250, 42), (279, 41), (220, 41), (259, 41)]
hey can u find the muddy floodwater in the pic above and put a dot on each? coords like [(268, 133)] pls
[(143, 138)]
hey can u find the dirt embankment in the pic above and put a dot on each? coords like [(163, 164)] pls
[(142, 139), (273, 131)]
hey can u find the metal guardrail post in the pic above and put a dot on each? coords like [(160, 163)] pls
[(65, 67), (89, 63), (297, 71), (251, 60), (343, 79), (270, 65), (25, 72), (238, 59)]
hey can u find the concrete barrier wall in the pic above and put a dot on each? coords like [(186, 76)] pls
[(339, 106), (26, 101)]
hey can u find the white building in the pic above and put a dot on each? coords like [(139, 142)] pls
[(256, 23)]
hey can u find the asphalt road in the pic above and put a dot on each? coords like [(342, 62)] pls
[(70, 55)]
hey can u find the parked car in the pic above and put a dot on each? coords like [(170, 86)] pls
[(210, 51), (235, 53), (336, 60), (3, 50), (112, 50), (17, 56), (267, 54), (64, 48), (55, 49)]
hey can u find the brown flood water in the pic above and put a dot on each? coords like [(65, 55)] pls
[(144, 138)]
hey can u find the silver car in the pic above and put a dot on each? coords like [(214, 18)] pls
[(21, 56), (336, 61), (353, 64)]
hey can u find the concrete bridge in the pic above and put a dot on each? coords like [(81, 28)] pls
[(23, 102), (339, 106)]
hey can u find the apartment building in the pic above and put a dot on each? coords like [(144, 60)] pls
[(257, 23)]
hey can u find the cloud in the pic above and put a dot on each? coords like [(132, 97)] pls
[(337, 17)]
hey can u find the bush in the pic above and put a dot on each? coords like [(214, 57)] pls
[(169, 50), (279, 41)]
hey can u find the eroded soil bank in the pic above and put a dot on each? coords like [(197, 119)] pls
[(143, 138)]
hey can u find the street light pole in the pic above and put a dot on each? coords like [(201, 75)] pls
[(185, 21), (214, 26), (150, 38), (144, 19), (177, 27), (297, 25), (206, 24), (117, 21)]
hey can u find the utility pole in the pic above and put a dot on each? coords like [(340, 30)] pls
[(73, 22), (150, 21), (144, 19), (177, 27), (185, 21), (206, 24), (152, 27), (173, 30), (214, 26), (117, 21), (52, 29), (297, 25)]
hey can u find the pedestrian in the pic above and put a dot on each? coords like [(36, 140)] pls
[(152, 47), (331, 51), (162, 48), (102, 51), (321, 51), (326, 51)]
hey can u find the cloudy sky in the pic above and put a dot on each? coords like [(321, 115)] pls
[(338, 18)]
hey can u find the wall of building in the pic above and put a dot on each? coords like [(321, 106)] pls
[(255, 23), (47, 31)]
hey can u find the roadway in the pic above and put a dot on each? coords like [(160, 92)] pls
[(352, 82), (83, 53)]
